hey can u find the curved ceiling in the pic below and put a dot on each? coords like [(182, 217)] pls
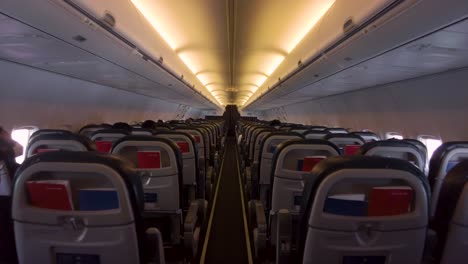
[(231, 46)]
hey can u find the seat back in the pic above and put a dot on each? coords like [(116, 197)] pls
[(292, 162), (7, 170), (367, 135), (445, 157), (253, 140), (363, 209), (88, 130), (138, 131), (104, 139), (85, 206), (348, 143), (48, 132), (394, 148), (159, 164), (188, 149), (268, 145), (451, 216), (337, 130), (315, 134), (52, 142)]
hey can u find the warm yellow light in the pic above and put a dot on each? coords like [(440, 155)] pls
[(158, 21), (159, 17), (270, 65), (320, 8)]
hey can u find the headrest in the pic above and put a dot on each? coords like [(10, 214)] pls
[(93, 126), (332, 165), (440, 153), (286, 144), (86, 142), (49, 131), (142, 131), (111, 131), (337, 130), (121, 166), (166, 141), (350, 137), (317, 133), (392, 143), (449, 196), (388, 143), (366, 134)]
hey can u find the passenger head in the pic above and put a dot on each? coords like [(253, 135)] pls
[(122, 125), (275, 123), (149, 124)]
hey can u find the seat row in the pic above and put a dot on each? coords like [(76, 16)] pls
[(121, 195), (334, 199)]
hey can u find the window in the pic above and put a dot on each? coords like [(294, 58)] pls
[(21, 135), (394, 135), (431, 142)]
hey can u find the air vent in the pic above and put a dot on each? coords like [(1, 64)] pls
[(348, 26), (109, 19), (79, 38)]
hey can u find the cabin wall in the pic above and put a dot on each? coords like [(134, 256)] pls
[(435, 104), (29, 96)]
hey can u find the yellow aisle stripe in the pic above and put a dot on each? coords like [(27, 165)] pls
[(208, 230), (246, 227)]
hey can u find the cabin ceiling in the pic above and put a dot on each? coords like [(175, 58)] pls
[(234, 51), (231, 46)]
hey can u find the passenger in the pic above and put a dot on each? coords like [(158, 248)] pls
[(275, 123), (9, 149), (122, 125), (149, 124)]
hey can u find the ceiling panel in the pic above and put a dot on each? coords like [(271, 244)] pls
[(29, 46)]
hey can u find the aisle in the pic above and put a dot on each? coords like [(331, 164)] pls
[(226, 239)]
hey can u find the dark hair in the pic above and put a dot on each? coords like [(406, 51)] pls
[(275, 122), (122, 125), (150, 124)]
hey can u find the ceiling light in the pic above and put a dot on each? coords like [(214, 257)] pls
[(161, 20)]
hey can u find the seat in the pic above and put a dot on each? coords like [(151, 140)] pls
[(88, 130), (292, 162), (138, 131), (206, 171), (159, 165), (315, 134), (104, 139), (337, 130), (48, 131), (451, 216), (261, 185), (81, 228), (7, 170), (348, 143), (58, 141), (367, 135), (445, 157), (346, 216), (194, 183), (394, 148)]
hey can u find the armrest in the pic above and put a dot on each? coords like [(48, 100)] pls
[(254, 181), (191, 217), (259, 226), (191, 230), (154, 246), (283, 237)]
